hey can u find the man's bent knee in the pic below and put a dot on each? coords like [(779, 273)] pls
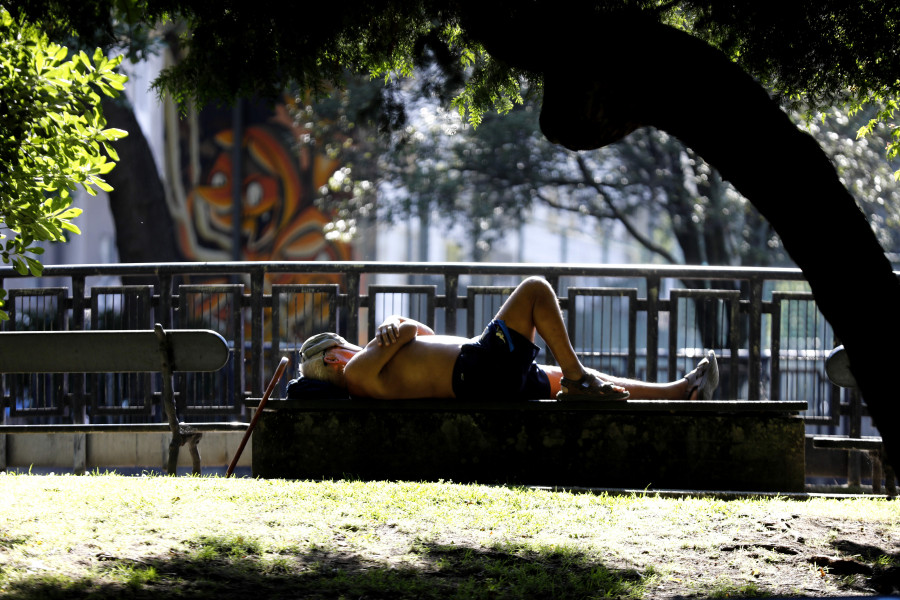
[(536, 285)]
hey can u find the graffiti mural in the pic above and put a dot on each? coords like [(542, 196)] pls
[(280, 176)]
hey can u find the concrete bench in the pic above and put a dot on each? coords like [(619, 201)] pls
[(120, 351), (720, 445), (875, 449)]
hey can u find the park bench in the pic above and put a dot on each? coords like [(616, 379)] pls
[(837, 368), (663, 444), (120, 351)]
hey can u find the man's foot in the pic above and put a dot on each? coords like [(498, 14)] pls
[(703, 381), (590, 387)]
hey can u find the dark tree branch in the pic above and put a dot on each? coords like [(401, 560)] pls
[(621, 217)]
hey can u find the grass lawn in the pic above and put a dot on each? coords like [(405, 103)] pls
[(107, 536)]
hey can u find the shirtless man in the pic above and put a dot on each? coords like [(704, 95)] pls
[(407, 360)]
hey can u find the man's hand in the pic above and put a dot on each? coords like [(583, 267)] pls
[(388, 332)]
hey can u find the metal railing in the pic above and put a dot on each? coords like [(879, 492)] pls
[(644, 321)]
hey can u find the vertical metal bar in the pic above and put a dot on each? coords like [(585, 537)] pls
[(78, 303), (834, 405), (673, 334), (571, 316), (470, 312), (652, 327), (352, 306), (5, 400), (429, 309), (237, 323), (794, 324), (451, 296), (775, 351), (166, 300), (733, 332), (632, 335), (257, 284), (754, 340), (553, 280), (76, 380), (370, 315), (854, 468), (275, 325)]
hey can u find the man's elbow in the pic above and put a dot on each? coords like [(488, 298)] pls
[(407, 332)]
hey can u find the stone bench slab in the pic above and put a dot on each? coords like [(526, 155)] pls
[(488, 404), (634, 444)]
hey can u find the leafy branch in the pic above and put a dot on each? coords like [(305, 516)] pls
[(53, 138)]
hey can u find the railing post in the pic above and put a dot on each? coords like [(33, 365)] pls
[(854, 459), (164, 308), (451, 296), (754, 341), (652, 327), (353, 303), (76, 382), (78, 302), (257, 285)]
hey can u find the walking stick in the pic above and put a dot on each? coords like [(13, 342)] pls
[(262, 403)]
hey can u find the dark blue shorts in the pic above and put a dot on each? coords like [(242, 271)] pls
[(499, 364)]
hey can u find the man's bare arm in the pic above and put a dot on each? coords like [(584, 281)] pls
[(387, 332), (364, 371)]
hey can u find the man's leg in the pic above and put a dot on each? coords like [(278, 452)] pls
[(533, 306), (699, 384)]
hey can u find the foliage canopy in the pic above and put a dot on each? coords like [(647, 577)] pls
[(53, 137), (814, 53)]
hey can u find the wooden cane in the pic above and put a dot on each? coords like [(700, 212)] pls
[(262, 403)]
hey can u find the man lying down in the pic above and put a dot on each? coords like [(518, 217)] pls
[(407, 360)]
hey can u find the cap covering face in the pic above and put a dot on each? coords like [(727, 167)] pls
[(320, 343)]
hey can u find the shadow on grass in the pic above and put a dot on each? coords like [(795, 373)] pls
[(223, 569), (879, 567)]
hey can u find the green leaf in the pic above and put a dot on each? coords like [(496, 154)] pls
[(112, 153), (34, 266), (102, 184), (71, 227), (113, 134)]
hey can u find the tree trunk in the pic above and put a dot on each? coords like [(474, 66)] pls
[(144, 228), (604, 77)]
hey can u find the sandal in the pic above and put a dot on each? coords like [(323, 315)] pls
[(589, 387), (704, 379)]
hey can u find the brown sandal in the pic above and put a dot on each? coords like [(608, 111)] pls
[(589, 387)]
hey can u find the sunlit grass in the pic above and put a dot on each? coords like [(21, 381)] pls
[(106, 536)]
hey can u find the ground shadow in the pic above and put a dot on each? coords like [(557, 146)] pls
[(878, 567), (226, 568), (220, 569)]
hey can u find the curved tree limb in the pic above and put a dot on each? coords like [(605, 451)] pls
[(622, 218)]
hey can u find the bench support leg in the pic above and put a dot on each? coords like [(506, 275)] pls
[(172, 462), (168, 396), (79, 465), (890, 480), (194, 448), (890, 477)]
